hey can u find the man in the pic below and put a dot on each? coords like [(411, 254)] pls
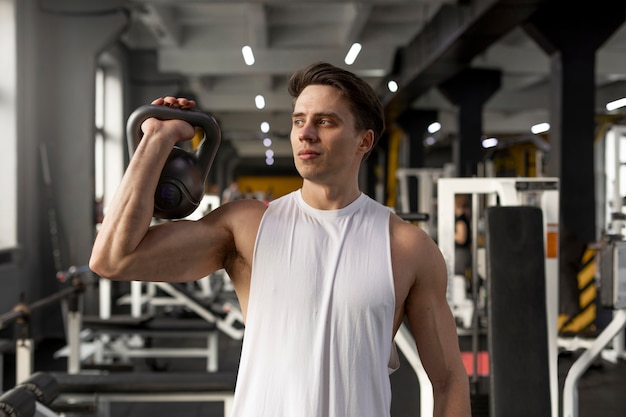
[(325, 275)]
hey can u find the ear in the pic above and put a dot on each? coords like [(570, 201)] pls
[(367, 141)]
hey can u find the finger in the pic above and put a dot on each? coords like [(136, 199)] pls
[(158, 101), (186, 103), (170, 101)]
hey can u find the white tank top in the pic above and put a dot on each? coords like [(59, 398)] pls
[(318, 338)]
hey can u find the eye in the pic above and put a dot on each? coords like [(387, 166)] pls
[(297, 122)]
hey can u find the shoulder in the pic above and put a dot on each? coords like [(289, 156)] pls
[(407, 236), (240, 212), (233, 227), (414, 251), (235, 217)]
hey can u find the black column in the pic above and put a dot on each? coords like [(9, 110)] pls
[(572, 39), (414, 123), (469, 90)]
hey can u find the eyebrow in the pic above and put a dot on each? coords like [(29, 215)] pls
[(322, 114)]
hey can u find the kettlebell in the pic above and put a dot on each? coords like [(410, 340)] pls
[(181, 184)]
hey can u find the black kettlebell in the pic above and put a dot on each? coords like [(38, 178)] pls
[(181, 184)]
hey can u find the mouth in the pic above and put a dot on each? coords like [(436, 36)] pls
[(306, 154)]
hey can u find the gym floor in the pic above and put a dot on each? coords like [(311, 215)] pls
[(600, 390)]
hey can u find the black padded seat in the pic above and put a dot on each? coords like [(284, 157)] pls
[(145, 382)]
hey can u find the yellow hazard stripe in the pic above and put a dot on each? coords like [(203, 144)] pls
[(586, 300), (581, 321)]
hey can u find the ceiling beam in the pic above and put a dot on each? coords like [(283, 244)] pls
[(358, 22), (159, 21), (372, 62), (257, 17), (448, 43)]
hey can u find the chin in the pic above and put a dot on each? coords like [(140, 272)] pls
[(307, 173)]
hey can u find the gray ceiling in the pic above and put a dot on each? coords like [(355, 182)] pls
[(202, 41)]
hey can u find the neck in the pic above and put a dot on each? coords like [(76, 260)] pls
[(323, 197)]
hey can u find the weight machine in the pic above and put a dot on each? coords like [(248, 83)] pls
[(613, 293), (537, 192), (612, 268), (124, 336), (426, 192), (52, 394), (542, 192)]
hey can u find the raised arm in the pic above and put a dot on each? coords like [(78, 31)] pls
[(127, 247), (431, 321)]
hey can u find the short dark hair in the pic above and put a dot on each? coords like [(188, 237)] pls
[(363, 100)]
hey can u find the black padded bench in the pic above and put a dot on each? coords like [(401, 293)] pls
[(148, 323), (17, 402), (57, 390)]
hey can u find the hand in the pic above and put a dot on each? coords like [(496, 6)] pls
[(177, 129), (179, 103)]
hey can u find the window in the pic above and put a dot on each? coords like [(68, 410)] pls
[(109, 131), (8, 121)]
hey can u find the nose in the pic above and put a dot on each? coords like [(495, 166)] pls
[(307, 133)]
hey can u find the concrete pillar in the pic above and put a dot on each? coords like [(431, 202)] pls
[(572, 39), (469, 90), (414, 123)]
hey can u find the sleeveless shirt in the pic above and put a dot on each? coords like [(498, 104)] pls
[(318, 340)]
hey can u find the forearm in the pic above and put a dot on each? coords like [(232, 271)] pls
[(452, 399), (129, 215)]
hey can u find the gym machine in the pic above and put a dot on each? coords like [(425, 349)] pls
[(426, 192), (611, 258), (612, 295), (55, 394), (124, 336), (22, 313), (40, 394), (536, 192)]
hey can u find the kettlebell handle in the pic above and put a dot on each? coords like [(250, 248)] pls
[(212, 132)]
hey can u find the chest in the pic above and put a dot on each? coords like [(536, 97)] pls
[(341, 264)]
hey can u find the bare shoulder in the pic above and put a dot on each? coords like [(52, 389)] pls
[(239, 217), (415, 254), (241, 210), (407, 237), (239, 222)]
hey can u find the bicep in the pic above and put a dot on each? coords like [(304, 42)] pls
[(182, 250), (430, 319)]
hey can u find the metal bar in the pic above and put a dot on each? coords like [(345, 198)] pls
[(23, 310), (570, 389), (406, 343)]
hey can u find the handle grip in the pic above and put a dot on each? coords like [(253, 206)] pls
[(212, 132), (181, 184)]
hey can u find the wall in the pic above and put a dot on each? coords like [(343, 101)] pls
[(57, 45)]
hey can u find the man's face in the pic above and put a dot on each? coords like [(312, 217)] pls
[(326, 146)]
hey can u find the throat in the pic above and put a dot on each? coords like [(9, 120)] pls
[(328, 198)]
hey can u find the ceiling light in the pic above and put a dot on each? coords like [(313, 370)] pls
[(265, 127), (269, 153), (614, 105), (392, 86), (430, 141), (269, 161), (353, 53), (434, 127), (248, 56), (267, 142), (259, 101), (540, 128), (489, 142)]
